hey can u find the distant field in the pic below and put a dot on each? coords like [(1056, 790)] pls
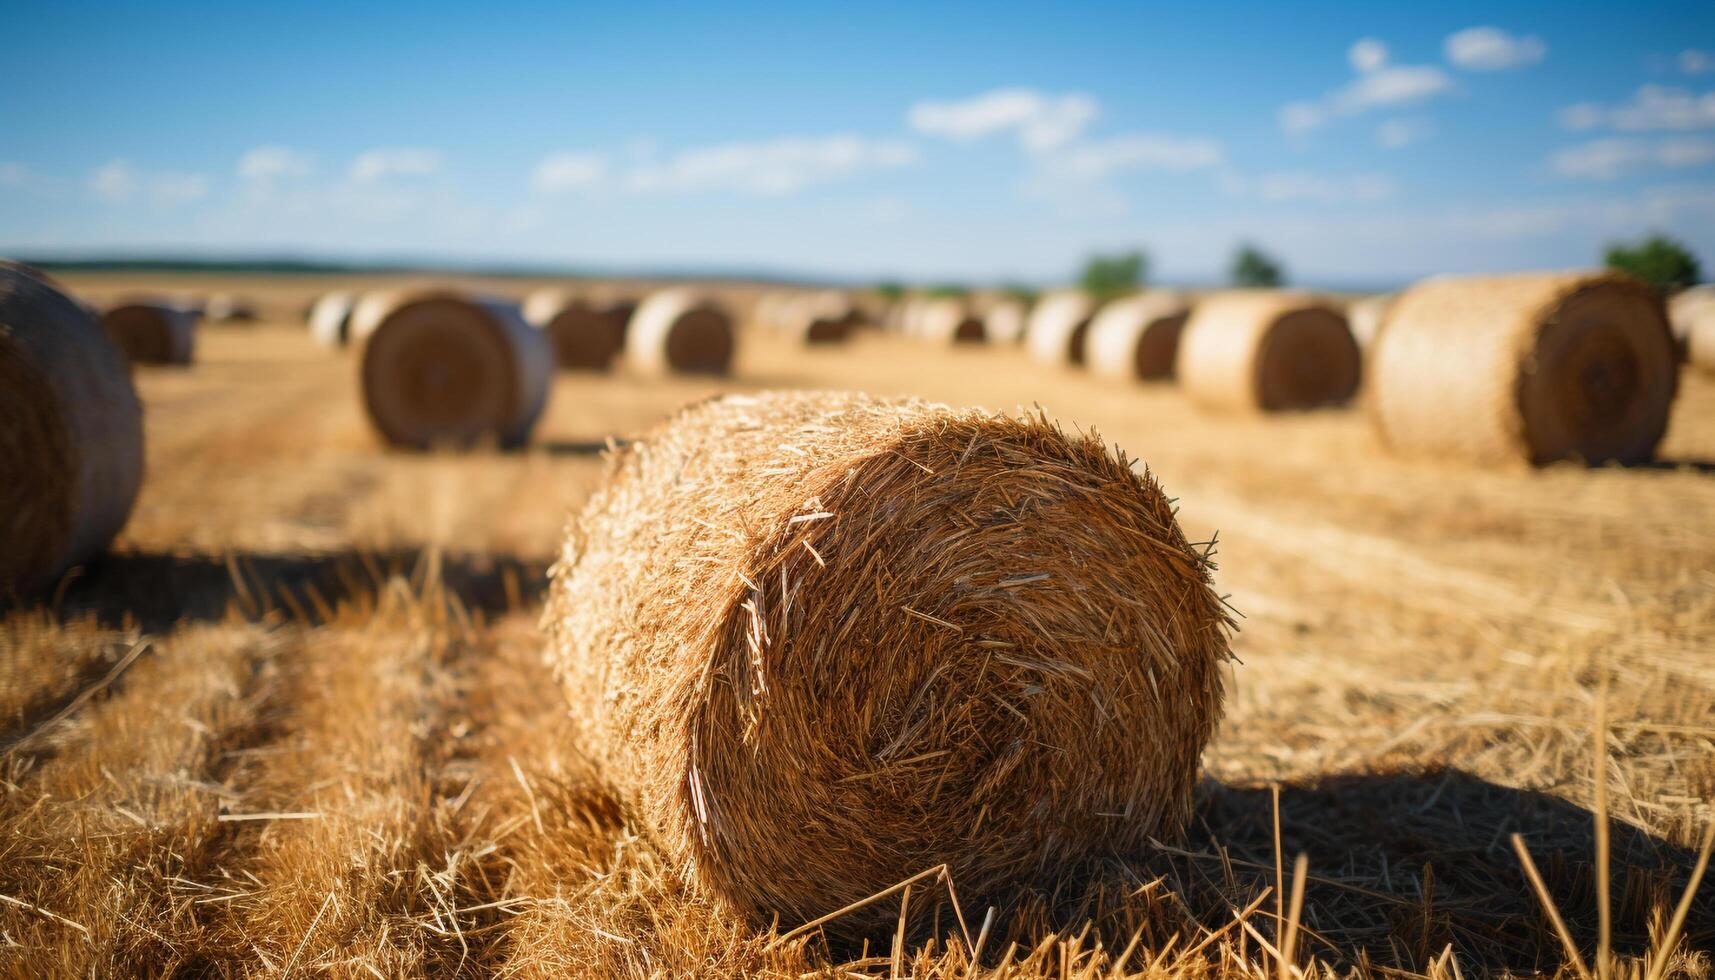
[(299, 723)]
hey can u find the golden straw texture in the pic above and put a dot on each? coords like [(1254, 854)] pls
[(821, 641), (1534, 367), (1137, 337), (677, 330), (152, 332), (586, 335), (442, 368), (1055, 332), (1267, 351), (1365, 317), (71, 434)]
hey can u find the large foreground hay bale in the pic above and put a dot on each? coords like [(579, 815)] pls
[(1058, 326), (820, 642), (1534, 367), (949, 320), (1137, 337), (1692, 313), (586, 335), (152, 331), (441, 368), (71, 434), (677, 330), (1004, 321), (1267, 351), (329, 318)]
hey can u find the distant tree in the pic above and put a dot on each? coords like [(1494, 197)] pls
[(1018, 291), (1106, 276), (948, 289), (1658, 260), (1255, 269), (891, 291)]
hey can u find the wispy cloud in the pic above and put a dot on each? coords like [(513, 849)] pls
[(1136, 152), (403, 161), (1657, 107), (13, 174), (1292, 186), (559, 173), (1492, 49), (1608, 159), (1040, 122), (1394, 134), (119, 182), (771, 168), (1379, 85), (1695, 62), (265, 164)]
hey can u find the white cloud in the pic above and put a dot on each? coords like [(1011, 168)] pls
[(1492, 49), (1607, 159), (775, 167), (1040, 122), (117, 182), (1367, 54), (269, 163), (559, 173), (1651, 107), (1393, 134), (404, 161), (1158, 152), (1695, 62), (1276, 188), (1378, 85)]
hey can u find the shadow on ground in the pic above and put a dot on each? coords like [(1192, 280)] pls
[(153, 592)]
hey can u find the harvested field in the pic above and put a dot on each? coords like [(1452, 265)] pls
[(300, 723)]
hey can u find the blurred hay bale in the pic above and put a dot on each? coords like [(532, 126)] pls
[(1137, 337), (71, 434), (1365, 318), (228, 308), (1692, 314), (1267, 350), (585, 335), (1057, 327), (444, 369), (152, 331), (949, 320), (1534, 367), (329, 319), (680, 331), (824, 316), (821, 641), (1004, 320)]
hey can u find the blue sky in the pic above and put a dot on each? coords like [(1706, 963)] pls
[(1361, 143)]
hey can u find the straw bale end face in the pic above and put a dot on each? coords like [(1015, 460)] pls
[(1267, 351), (822, 642), (153, 332), (1531, 368), (71, 434)]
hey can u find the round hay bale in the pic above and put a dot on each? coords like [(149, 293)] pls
[(1267, 351), (949, 320), (330, 318), (584, 336), (676, 330), (1137, 337), (1534, 367), (441, 368), (765, 311), (1058, 326), (1692, 314), (1365, 317), (152, 331), (228, 308), (71, 434), (824, 317), (1004, 322), (368, 310), (823, 641)]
